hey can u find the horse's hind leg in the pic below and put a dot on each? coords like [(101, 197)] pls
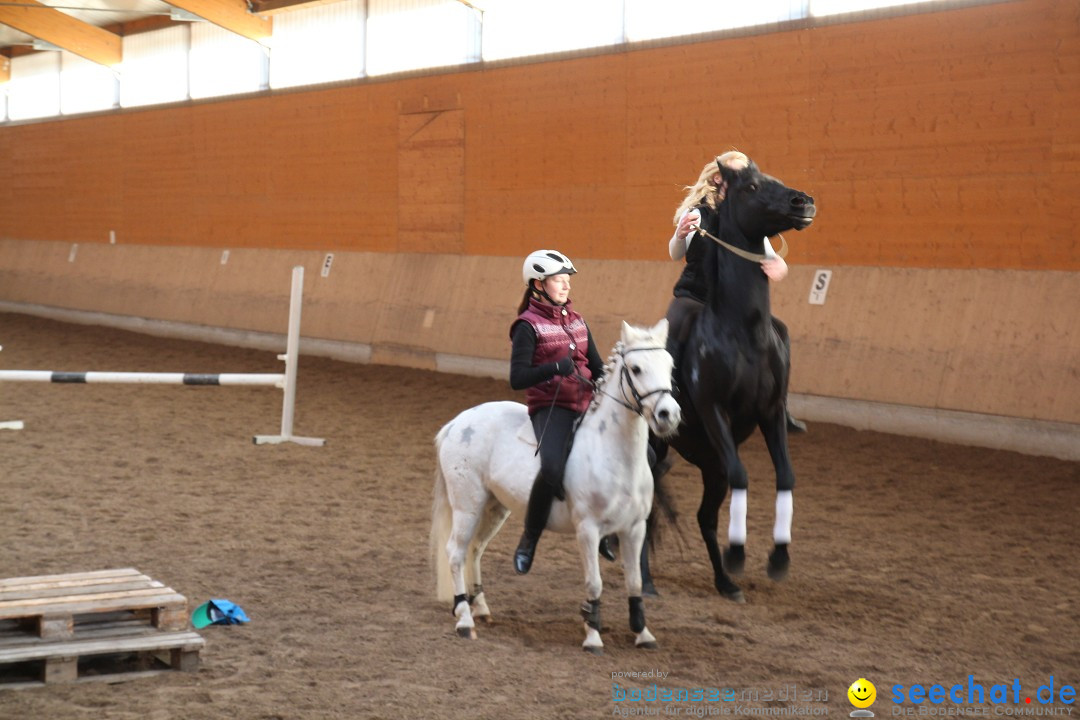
[(775, 432), (715, 488), (634, 540), (495, 514), (461, 533), (733, 473)]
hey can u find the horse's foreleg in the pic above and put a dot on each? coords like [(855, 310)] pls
[(461, 533), (634, 540), (775, 432), (588, 537)]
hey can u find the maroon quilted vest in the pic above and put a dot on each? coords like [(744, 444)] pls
[(559, 331)]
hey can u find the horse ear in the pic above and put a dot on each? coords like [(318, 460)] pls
[(627, 332), (660, 331), (728, 174)]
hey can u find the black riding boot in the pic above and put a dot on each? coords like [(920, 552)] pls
[(536, 518)]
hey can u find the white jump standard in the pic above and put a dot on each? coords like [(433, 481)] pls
[(11, 424), (286, 381)]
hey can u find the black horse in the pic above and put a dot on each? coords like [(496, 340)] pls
[(734, 370)]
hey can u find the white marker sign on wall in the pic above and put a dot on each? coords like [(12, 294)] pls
[(326, 263), (820, 287)]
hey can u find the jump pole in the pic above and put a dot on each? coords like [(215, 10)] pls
[(286, 381)]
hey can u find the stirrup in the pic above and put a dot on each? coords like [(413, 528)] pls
[(795, 426), (605, 548)]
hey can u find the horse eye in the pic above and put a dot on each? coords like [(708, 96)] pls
[(752, 187), (636, 369)]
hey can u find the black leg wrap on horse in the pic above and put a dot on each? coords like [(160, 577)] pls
[(637, 614), (476, 590), (590, 610), (457, 600)]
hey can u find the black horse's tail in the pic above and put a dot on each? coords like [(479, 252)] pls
[(663, 507)]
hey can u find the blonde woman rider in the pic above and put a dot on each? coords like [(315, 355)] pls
[(702, 200)]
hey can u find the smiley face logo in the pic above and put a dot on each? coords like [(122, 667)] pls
[(862, 693)]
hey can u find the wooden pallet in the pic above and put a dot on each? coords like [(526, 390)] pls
[(105, 625)]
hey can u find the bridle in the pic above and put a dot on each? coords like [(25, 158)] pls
[(626, 380), (745, 254)]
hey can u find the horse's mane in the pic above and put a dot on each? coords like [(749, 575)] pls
[(609, 369)]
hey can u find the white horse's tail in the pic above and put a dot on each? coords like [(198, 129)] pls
[(442, 518)]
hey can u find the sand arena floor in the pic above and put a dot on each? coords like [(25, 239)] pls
[(913, 561)]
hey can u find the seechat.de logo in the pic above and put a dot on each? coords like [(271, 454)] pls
[(862, 695)]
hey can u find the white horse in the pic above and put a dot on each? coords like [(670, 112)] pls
[(486, 466)]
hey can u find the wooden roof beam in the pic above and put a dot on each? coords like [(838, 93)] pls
[(64, 31), (233, 15)]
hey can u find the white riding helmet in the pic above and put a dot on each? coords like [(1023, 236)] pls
[(542, 264)]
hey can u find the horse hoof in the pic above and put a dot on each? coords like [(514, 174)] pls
[(483, 619), (779, 562), (466, 633), (593, 649), (730, 590), (649, 590), (736, 596), (650, 645), (735, 559)]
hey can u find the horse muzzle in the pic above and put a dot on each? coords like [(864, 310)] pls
[(803, 211), (665, 416)]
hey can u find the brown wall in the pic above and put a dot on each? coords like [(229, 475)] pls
[(942, 147), (944, 139)]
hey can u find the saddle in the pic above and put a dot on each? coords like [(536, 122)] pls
[(526, 435)]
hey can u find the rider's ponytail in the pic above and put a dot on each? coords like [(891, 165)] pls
[(525, 300)]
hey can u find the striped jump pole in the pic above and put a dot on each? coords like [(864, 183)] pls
[(286, 381)]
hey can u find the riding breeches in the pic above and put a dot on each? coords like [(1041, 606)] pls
[(554, 427), (681, 314)]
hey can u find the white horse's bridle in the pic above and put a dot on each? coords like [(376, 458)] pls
[(627, 380)]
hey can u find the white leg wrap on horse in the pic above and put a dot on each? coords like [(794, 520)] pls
[(737, 518), (784, 509)]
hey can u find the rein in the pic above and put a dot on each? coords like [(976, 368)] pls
[(624, 375), (753, 257)]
